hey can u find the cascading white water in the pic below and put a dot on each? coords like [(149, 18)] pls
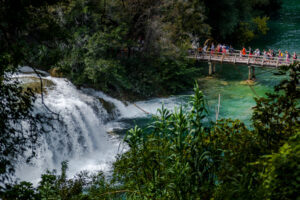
[(81, 135)]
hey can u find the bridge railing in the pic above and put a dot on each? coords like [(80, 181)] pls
[(236, 57)]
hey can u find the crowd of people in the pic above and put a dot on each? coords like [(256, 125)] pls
[(265, 54), (270, 54)]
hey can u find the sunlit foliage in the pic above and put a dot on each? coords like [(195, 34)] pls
[(181, 155)]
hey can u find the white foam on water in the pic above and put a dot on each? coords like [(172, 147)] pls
[(81, 136), (136, 109)]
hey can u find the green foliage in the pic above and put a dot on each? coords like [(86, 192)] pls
[(261, 24), (275, 120), (15, 108), (281, 177), (247, 31), (174, 161), (127, 48), (276, 116), (222, 159), (54, 186), (27, 30), (182, 156), (245, 20), (237, 177), (131, 47), (22, 190)]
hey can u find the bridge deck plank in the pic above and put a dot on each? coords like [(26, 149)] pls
[(235, 58)]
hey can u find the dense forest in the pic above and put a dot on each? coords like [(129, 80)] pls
[(131, 47), (127, 48), (135, 49)]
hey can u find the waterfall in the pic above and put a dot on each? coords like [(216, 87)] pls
[(81, 136)]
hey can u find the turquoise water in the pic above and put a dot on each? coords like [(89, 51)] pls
[(237, 99), (284, 32), (86, 119)]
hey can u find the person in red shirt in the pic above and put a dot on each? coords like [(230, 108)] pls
[(250, 52), (224, 50)]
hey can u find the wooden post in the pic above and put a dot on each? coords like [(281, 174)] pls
[(277, 62), (249, 73), (253, 73), (248, 60), (209, 68), (218, 111), (234, 59), (214, 68)]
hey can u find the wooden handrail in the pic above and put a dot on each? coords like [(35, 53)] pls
[(251, 59)]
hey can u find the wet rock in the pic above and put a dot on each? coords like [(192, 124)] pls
[(224, 82), (55, 72), (108, 106), (29, 70), (35, 85), (248, 82)]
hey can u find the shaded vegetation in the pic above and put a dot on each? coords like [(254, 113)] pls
[(181, 156), (127, 48), (238, 22), (24, 35)]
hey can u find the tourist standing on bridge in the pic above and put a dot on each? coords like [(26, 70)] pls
[(269, 53), (231, 49), (204, 49), (219, 48), (224, 50), (257, 52), (287, 57), (212, 48), (265, 54), (272, 54), (200, 50), (250, 52), (295, 56), (227, 49), (244, 51), (280, 55)]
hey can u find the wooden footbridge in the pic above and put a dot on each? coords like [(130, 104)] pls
[(234, 57)]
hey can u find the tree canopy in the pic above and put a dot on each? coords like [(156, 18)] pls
[(27, 28)]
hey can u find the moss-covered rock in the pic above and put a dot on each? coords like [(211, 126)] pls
[(248, 82), (55, 72), (108, 106), (35, 85)]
